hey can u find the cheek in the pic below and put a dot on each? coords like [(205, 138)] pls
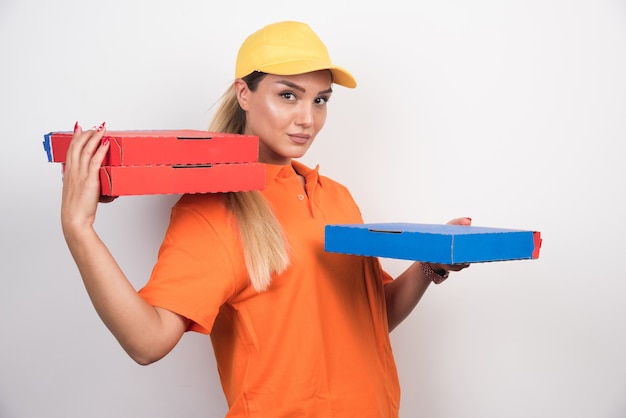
[(273, 112), (320, 120), (267, 114)]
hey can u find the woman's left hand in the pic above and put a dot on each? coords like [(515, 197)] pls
[(453, 267)]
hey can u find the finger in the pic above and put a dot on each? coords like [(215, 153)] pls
[(80, 136), (75, 143), (96, 160), (79, 142), (93, 143), (457, 267), (461, 221), (454, 267), (106, 199)]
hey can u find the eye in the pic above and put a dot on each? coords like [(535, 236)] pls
[(322, 100), (288, 95)]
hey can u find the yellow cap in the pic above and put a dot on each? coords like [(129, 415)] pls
[(287, 48)]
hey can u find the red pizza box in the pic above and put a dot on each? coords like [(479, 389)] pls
[(180, 179), (164, 147)]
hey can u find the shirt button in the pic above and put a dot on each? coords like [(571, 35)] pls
[(301, 196)]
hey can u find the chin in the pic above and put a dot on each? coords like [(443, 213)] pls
[(298, 152), (285, 154)]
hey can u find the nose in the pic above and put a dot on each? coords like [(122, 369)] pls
[(304, 116)]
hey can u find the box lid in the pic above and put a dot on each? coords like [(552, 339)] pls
[(165, 147)]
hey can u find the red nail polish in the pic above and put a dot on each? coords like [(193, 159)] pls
[(76, 126), (101, 127), (105, 140)]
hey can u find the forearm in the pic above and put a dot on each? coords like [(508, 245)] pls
[(138, 326), (403, 294)]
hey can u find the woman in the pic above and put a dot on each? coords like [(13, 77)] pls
[(296, 331)]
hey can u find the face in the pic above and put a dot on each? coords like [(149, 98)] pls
[(285, 112)]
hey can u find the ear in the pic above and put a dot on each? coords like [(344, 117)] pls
[(243, 94)]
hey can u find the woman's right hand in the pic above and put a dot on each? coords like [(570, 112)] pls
[(146, 332), (81, 177)]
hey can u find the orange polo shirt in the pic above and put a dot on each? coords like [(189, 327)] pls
[(316, 343)]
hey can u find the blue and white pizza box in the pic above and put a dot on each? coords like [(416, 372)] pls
[(434, 243)]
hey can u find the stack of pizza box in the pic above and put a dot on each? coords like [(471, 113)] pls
[(171, 161)]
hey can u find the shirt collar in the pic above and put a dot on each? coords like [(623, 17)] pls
[(311, 175)]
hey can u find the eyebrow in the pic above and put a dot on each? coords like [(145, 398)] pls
[(299, 88)]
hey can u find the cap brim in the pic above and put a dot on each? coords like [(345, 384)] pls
[(340, 75)]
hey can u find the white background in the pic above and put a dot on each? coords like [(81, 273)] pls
[(510, 112)]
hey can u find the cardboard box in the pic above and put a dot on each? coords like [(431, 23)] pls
[(443, 244), (172, 179), (164, 147), (172, 162)]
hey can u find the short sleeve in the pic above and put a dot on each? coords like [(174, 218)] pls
[(386, 277), (200, 263)]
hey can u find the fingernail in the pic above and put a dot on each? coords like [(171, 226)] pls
[(105, 140), (76, 126), (101, 127), (469, 219)]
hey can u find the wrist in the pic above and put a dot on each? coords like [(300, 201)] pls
[(433, 273)]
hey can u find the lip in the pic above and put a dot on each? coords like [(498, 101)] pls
[(299, 138)]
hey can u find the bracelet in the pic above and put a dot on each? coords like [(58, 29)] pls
[(432, 275)]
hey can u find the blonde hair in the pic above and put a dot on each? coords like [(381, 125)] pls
[(264, 244)]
